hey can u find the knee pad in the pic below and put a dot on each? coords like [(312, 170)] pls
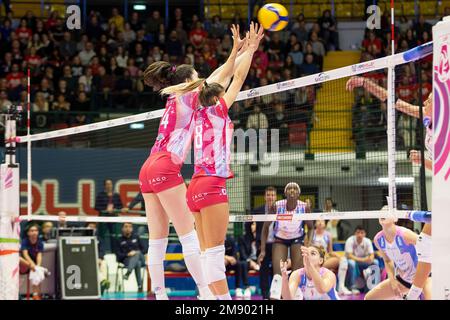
[(423, 248), (215, 264), (189, 243), (157, 251), (275, 287)]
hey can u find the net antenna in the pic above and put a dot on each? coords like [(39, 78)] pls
[(392, 199)]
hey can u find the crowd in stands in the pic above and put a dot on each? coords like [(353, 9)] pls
[(413, 83), (100, 67)]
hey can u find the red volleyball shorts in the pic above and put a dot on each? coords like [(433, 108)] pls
[(159, 173), (205, 191)]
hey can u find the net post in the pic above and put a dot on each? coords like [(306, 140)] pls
[(392, 203), (9, 213)]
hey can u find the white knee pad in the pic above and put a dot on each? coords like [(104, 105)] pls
[(423, 248), (189, 243), (157, 251), (215, 264), (275, 287)]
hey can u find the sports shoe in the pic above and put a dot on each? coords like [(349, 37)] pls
[(239, 294), (248, 294), (355, 291), (275, 287), (345, 291)]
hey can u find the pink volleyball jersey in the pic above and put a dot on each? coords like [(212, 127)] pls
[(212, 140), (175, 127)]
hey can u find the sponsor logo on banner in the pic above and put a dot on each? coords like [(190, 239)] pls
[(321, 77), (284, 217), (252, 93), (243, 218), (363, 66), (285, 84), (330, 215)]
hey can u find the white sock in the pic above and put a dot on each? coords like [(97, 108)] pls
[(226, 296), (342, 272), (156, 254), (192, 258), (414, 293)]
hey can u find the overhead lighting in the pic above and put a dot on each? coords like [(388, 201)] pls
[(137, 126), (400, 180), (139, 7)]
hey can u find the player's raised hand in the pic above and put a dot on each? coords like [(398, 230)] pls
[(354, 82)]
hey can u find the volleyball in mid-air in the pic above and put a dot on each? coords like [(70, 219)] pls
[(273, 17)]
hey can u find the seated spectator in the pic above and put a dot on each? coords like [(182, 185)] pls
[(372, 39), (123, 90), (317, 45), (117, 20), (232, 262), (257, 120), (248, 255), (86, 80), (40, 103), (217, 29), (14, 77), (106, 202), (103, 274), (31, 250), (47, 231), (299, 29), (67, 47), (309, 67), (296, 54), (360, 257), (182, 35), (135, 22), (280, 120), (129, 35), (86, 54), (198, 36), (174, 45), (4, 102), (202, 67), (236, 115), (275, 48), (130, 253), (328, 30), (23, 33), (153, 23)]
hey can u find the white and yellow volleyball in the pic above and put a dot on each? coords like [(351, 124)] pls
[(273, 17)]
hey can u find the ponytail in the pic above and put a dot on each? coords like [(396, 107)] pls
[(182, 88), (209, 92), (161, 74)]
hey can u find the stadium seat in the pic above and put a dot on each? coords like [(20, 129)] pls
[(428, 8), (343, 10), (297, 134)]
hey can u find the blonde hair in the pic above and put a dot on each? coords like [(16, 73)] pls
[(182, 88)]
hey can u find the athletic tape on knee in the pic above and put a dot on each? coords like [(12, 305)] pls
[(215, 265), (189, 243), (157, 250), (423, 248)]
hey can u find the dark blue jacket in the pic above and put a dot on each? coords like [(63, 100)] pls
[(133, 243), (102, 200)]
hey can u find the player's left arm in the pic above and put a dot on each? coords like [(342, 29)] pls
[(310, 226), (325, 283)]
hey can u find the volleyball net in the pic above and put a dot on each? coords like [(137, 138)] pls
[(310, 130)]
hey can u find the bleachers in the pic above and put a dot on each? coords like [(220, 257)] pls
[(312, 9)]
